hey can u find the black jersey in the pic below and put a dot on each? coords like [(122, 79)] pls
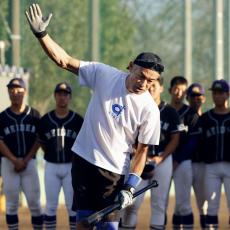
[(58, 135), (214, 134), (188, 118), (19, 131), (170, 124), (196, 142)]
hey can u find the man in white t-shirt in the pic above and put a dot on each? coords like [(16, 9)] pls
[(120, 109)]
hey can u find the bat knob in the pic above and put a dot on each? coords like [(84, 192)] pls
[(83, 224)]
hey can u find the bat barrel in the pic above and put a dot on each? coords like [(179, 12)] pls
[(98, 216)]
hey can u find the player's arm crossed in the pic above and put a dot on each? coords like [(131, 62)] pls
[(169, 149), (6, 152), (18, 163), (32, 152)]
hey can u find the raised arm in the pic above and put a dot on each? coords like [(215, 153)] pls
[(38, 25)]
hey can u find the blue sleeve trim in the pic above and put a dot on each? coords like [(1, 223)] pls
[(133, 180)]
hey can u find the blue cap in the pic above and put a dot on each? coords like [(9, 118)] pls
[(17, 83), (63, 86), (195, 89), (220, 85)]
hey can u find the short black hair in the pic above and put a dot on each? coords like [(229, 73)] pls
[(178, 80), (150, 61)]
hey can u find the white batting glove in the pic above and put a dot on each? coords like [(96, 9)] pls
[(37, 22), (125, 198)]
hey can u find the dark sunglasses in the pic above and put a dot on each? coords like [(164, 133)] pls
[(149, 64)]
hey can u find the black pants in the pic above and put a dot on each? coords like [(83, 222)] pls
[(94, 188)]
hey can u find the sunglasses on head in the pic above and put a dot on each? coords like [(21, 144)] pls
[(150, 65)]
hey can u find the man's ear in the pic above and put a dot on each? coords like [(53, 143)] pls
[(130, 66), (162, 89)]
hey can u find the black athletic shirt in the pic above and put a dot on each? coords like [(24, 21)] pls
[(58, 135), (19, 131), (213, 132), (170, 124), (188, 118)]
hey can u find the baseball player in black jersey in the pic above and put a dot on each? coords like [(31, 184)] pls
[(18, 134), (161, 157), (182, 175), (213, 129), (57, 131), (196, 98)]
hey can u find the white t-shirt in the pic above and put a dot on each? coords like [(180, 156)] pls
[(114, 118)]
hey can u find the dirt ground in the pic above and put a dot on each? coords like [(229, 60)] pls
[(143, 220)]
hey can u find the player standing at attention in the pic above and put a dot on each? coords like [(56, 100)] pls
[(196, 98), (120, 109), (57, 131), (213, 129), (182, 175), (18, 134), (161, 157)]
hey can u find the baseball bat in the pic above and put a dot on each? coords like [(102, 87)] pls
[(98, 216)]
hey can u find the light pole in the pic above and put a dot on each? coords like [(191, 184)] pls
[(2, 52), (15, 31), (219, 38), (188, 40)]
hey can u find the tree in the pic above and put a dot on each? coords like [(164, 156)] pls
[(160, 29), (127, 27), (69, 28), (117, 44)]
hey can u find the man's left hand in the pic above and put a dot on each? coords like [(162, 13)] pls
[(37, 22), (125, 197)]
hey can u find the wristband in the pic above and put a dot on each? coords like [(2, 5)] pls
[(132, 182), (40, 34)]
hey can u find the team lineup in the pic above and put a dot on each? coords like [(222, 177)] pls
[(129, 140)]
